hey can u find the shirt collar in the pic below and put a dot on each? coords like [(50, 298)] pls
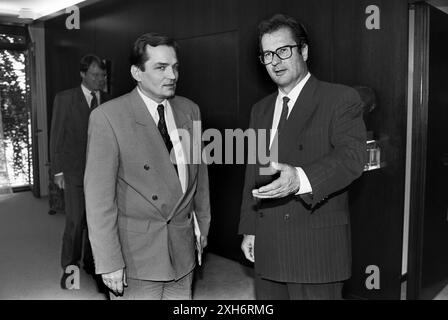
[(151, 104), (87, 92), (295, 92)]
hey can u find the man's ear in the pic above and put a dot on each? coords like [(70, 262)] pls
[(304, 52), (82, 74), (136, 72)]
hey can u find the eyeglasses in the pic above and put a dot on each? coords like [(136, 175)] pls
[(283, 53)]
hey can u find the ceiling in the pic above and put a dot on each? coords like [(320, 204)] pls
[(27, 11), (440, 4)]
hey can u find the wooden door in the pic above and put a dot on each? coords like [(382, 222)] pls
[(428, 250)]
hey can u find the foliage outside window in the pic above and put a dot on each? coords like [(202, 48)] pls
[(15, 112)]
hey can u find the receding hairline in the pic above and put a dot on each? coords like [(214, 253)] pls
[(148, 47)]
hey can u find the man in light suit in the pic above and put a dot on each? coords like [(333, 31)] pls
[(68, 143), (296, 222), (141, 204)]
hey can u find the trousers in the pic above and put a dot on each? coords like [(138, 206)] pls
[(75, 239), (272, 290), (157, 290)]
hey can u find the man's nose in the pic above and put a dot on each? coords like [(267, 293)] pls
[(275, 60), (170, 74)]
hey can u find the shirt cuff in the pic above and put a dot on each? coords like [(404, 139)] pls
[(305, 186), (61, 173)]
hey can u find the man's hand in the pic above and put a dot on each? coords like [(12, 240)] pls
[(59, 181), (248, 247), (115, 281), (286, 184)]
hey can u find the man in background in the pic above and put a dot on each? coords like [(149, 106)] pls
[(68, 142), (142, 191), (296, 228)]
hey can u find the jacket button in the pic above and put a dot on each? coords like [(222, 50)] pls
[(286, 217), (146, 167), (189, 215), (300, 147), (155, 197), (261, 214)]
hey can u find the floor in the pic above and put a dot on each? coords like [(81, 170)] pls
[(30, 242)]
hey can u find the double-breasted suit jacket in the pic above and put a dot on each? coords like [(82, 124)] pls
[(137, 214), (306, 238)]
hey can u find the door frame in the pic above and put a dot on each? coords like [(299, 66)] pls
[(420, 94)]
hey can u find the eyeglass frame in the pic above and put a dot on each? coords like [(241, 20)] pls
[(275, 52)]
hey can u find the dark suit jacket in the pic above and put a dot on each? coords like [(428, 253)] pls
[(68, 137), (306, 238), (137, 214)]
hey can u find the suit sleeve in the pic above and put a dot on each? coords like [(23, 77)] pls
[(202, 196), (247, 212), (100, 193), (345, 162), (57, 134)]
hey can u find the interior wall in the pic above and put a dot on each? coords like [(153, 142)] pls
[(377, 59), (220, 71)]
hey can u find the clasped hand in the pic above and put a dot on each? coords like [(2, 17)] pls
[(286, 184)]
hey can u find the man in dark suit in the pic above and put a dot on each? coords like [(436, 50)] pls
[(296, 224), (68, 142), (144, 196)]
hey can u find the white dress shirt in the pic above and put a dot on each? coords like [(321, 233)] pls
[(174, 134), (305, 186), (88, 95)]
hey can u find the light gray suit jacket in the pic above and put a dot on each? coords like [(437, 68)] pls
[(137, 215)]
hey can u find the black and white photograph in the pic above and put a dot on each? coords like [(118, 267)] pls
[(225, 154)]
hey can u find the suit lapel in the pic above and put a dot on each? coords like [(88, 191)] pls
[(81, 98), (154, 147), (185, 122), (303, 109), (266, 119)]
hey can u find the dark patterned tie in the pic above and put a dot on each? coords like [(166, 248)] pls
[(164, 131), (284, 115), (94, 102)]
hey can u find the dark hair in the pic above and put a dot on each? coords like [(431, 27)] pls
[(279, 21), (90, 59), (138, 55)]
